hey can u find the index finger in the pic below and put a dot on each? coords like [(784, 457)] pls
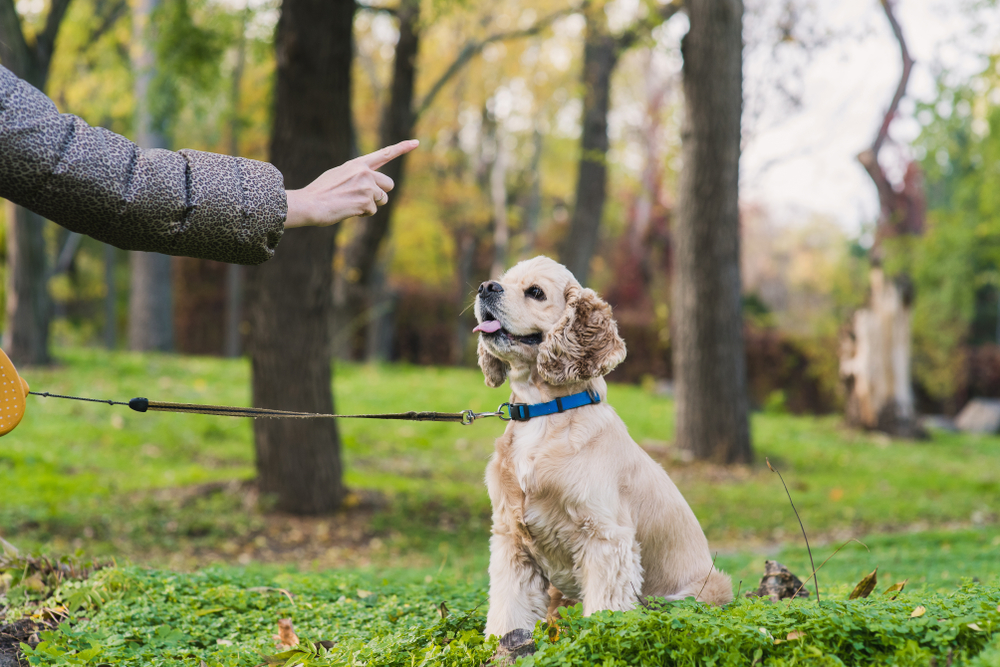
[(389, 153)]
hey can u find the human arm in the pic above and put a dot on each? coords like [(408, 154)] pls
[(95, 182)]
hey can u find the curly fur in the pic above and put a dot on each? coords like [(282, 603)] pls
[(584, 344), (494, 370)]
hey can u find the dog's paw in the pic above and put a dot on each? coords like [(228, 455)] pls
[(513, 645)]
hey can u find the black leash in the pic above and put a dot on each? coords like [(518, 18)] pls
[(465, 417)]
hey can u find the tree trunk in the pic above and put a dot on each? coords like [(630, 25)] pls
[(876, 362), (26, 337), (29, 307), (290, 296), (150, 301), (498, 198), (359, 280), (709, 355), (875, 359), (600, 55)]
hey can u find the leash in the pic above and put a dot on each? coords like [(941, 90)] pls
[(506, 411), (465, 417)]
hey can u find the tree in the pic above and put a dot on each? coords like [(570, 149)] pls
[(875, 364), (709, 358), (359, 277), (601, 51), (290, 296), (26, 336)]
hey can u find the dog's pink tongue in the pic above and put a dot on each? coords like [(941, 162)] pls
[(489, 326)]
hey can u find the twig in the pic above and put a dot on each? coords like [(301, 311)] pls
[(815, 580), (709, 576), (738, 589), (853, 539)]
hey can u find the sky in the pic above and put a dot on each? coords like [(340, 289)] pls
[(801, 162)]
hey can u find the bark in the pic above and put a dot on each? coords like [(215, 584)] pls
[(29, 307), (150, 301), (358, 290), (233, 345), (600, 55), (875, 354), (498, 197), (290, 297), (875, 361), (709, 355)]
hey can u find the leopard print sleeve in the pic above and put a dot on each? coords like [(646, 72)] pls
[(95, 182)]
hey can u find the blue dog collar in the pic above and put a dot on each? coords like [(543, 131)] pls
[(522, 412)]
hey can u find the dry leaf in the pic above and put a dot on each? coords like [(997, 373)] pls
[(795, 634), (769, 467), (896, 588), (918, 612), (865, 586), (363, 593), (443, 610), (553, 631), (286, 634), (974, 626)]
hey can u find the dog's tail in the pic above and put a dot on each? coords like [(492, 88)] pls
[(716, 588)]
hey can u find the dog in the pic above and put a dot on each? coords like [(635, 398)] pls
[(580, 511)]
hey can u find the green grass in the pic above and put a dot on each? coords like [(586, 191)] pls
[(105, 479), (172, 490)]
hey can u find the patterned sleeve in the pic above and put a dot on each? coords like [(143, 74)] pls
[(95, 182)]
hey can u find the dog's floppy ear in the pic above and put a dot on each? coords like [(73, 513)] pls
[(494, 369), (584, 343)]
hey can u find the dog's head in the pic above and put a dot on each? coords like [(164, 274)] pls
[(537, 313)]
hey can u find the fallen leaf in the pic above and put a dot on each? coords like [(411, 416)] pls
[(553, 631), (836, 494), (325, 643), (865, 586), (224, 642), (795, 634), (286, 633), (896, 588), (974, 626), (918, 612), (363, 594), (443, 610)]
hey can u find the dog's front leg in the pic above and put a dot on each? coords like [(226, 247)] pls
[(518, 589), (610, 566)]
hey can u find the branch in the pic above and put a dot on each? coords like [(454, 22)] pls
[(472, 49), (665, 13), (883, 131), (109, 19), (13, 47), (46, 42)]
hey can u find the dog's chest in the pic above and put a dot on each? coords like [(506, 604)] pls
[(528, 444)]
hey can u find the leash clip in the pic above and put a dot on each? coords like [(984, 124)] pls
[(469, 416)]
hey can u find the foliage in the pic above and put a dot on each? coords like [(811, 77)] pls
[(954, 265), (227, 616)]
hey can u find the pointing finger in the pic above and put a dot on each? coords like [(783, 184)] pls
[(389, 153)]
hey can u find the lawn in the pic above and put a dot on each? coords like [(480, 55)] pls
[(175, 492)]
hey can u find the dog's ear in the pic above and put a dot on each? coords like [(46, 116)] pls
[(584, 344), (494, 369)]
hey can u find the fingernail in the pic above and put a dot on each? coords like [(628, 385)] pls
[(415, 142)]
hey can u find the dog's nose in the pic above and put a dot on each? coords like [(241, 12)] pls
[(490, 286)]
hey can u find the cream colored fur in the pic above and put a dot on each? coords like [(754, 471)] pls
[(576, 502)]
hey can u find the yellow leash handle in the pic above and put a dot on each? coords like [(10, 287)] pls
[(13, 390)]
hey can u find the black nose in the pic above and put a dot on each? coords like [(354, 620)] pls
[(490, 286)]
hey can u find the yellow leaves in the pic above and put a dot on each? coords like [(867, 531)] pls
[(792, 636), (896, 588), (865, 586), (918, 612), (362, 594)]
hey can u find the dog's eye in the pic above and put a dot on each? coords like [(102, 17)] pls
[(535, 292)]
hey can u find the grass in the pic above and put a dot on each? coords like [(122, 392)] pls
[(77, 475), (174, 491)]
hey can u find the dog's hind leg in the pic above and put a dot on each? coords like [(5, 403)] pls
[(716, 588)]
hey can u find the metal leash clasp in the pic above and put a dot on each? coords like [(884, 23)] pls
[(469, 416)]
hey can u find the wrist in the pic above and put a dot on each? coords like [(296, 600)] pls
[(298, 209)]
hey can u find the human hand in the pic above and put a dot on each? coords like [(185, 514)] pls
[(353, 188)]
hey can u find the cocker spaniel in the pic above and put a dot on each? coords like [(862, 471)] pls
[(580, 511)]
